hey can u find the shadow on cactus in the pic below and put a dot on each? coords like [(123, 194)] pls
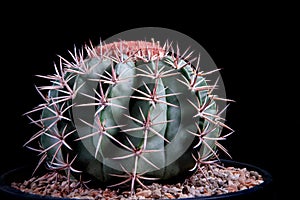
[(128, 113)]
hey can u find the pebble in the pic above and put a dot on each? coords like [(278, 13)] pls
[(144, 193), (156, 194)]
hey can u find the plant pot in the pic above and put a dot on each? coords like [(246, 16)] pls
[(262, 191)]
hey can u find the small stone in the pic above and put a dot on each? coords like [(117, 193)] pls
[(126, 193), (170, 196), (33, 185), (144, 193), (243, 188), (174, 190), (63, 184), (183, 196), (255, 174), (73, 185), (156, 193), (260, 181), (25, 183), (232, 187), (220, 182), (31, 180)]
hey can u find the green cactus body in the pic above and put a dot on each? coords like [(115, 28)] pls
[(126, 113)]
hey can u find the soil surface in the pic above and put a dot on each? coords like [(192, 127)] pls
[(209, 180)]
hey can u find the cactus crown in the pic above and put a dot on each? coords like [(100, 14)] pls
[(128, 112)]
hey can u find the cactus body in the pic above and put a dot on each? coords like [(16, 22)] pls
[(128, 112)]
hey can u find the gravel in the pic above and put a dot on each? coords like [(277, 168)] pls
[(211, 180)]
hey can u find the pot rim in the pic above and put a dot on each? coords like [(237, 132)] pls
[(6, 179)]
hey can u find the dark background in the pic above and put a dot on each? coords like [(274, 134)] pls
[(248, 43)]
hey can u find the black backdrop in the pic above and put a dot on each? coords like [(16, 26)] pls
[(244, 43)]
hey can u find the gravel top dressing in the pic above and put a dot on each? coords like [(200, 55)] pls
[(208, 181)]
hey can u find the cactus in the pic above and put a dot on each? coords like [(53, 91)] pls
[(128, 113)]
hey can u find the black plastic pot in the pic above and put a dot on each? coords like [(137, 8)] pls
[(262, 191)]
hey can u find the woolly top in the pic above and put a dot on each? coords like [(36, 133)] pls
[(133, 48)]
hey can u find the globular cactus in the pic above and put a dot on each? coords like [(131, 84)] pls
[(128, 112)]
